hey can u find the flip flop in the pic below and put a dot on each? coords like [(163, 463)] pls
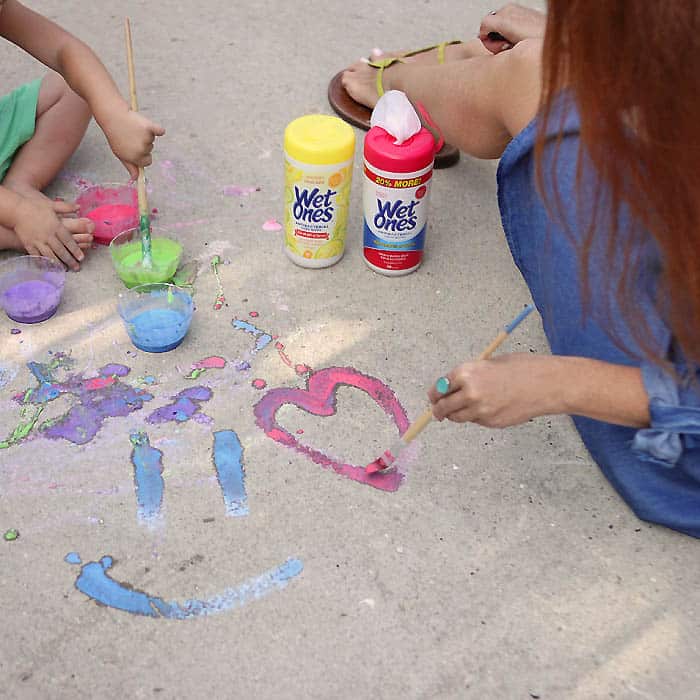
[(358, 115)]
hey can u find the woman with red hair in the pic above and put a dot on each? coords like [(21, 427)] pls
[(594, 114)]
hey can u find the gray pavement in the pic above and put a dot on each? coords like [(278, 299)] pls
[(504, 566)]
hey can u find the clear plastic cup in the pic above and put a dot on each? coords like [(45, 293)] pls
[(31, 287), (157, 316), (112, 207), (127, 257)]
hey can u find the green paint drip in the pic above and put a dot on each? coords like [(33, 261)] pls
[(29, 415), (145, 228), (130, 263), (195, 373), (11, 535)]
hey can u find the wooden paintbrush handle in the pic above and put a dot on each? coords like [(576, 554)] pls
[(493, 345), (141, 192), (418, 425), (130, 65)]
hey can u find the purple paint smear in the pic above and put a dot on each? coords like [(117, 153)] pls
[(185, 405), (96, 398), (319, 399)]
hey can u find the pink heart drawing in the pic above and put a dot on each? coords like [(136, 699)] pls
[(319, 399)]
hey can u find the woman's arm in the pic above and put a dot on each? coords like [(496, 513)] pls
[(511, 389)]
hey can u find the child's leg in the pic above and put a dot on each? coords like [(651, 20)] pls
[(61, 120)]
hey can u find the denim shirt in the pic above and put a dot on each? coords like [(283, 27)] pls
[(656, 469)]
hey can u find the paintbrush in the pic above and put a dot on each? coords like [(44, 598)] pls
[(144, 219), (385, 462)]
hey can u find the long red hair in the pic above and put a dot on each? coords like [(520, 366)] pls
[(634, 69)]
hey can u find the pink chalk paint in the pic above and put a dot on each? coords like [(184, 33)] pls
[(253, 314), (259, 384), (319, 399), (98, 383), (238, 191), (112, 208), (213, 362), (272, 225), (302, 369)]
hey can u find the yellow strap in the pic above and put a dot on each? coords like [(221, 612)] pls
[(380, 64)]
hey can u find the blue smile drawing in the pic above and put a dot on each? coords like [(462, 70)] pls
[(95, 583)]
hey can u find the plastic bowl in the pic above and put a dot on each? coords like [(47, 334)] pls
[(127, 257), (157, 316), (31, 288), (113, 208)]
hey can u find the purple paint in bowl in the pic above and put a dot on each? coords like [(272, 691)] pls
[(31, 288)]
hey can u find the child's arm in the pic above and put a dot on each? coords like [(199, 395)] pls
[(130, 134)]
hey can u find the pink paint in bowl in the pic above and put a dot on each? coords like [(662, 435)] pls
[(113, 208)]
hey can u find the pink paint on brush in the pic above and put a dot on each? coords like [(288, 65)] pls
[(319, 399)]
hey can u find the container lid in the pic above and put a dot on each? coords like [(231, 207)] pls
[(319, 139), (412, 155)]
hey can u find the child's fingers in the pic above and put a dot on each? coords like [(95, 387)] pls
[(61, 207), (157, 129), (84, 240), (131, 168), (79, 226)]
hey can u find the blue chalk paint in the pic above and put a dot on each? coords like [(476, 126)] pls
[(94, 582), (73, 558), (158, 330), (262, 339), (228, 460), (148, 476)]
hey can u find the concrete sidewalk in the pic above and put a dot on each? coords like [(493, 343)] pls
[(503, 566)]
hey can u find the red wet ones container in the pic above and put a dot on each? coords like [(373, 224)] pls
[(395, 195)]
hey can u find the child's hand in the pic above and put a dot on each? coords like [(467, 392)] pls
[(42, 232), (131, 137)]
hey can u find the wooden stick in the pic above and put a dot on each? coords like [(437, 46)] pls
[(144, 219), (386, 460)]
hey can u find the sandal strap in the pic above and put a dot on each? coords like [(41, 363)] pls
[(380, 64), (440, 49)]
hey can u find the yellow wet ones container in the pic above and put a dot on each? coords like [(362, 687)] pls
[(318, 151)]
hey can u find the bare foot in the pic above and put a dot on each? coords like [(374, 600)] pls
[(360, 79), (453, 52)]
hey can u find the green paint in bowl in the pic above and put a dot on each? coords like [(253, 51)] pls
[(128, 258)]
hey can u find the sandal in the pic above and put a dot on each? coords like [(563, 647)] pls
[(358, 115)]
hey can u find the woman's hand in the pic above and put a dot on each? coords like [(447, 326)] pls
[(500, 392), (511, 389), (502, 29)]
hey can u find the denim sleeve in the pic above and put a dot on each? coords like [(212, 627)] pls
[(674, 424)]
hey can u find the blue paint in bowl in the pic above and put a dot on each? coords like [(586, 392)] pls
[(157, 316)]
